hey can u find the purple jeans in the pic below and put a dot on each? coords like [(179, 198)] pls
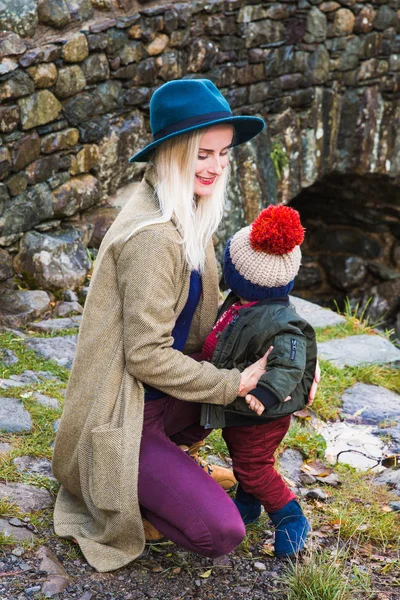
[(176, 495)]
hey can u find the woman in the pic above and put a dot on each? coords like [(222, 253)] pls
[(152, 300)]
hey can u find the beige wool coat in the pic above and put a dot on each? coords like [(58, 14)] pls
[(139, 286)]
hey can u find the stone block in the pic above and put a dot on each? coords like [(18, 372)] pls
[(28, 209), (5, 162), (96, 68), (158, 45), (20, 16), (264, 32), (76, 194), (54, 13), (42, 169), (17, 183), (44, 75), (343, 23), (76, 49), (71, 80), (6, 270), (18, 85), (53, 260), (60, 140), (316, 26), (9, 118), (39, 108), (25, 150), (85, 160), (11, 44)]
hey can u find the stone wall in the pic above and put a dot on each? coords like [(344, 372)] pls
[(75, 81)]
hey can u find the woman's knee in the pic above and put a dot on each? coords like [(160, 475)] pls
[(227, 538)]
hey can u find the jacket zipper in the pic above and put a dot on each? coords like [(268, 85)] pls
[(207, 424)]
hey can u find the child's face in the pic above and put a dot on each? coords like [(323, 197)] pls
[(212, 158)]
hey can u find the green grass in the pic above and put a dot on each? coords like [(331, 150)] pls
[(358, 510), (334, 382), (325, 575), (305, 439)]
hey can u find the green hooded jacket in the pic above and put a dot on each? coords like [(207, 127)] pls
[(290, 366)]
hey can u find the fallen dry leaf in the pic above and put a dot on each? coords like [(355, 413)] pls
[(206, 574), (316, 468), (387, 509), (267, 549)]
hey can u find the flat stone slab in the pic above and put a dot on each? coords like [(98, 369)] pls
[(46, 401), (5, 448), (28, 377), (356, 350), (390, 477), (316, 315), (7, 357), (27, 497), (290, 462), (354, 445), (371, 404), (19, 534), (36, 466), (56, 324), (14, 418), (60, 349)]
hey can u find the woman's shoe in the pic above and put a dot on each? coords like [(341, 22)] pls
[(151, 534), (291, 528), (248, 505), (222, 475)]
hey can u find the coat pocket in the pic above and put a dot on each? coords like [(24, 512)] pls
[(105, 485)]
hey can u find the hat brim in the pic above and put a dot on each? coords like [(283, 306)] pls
[(245, 129)]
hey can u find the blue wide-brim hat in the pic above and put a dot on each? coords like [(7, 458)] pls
[(187, 104)]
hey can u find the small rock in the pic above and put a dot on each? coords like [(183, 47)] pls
[(36, 466), (30, 591), (56, 324), (17, 307), (5, 448), (27, 497), (15, 522), (67, 309), (7, 357), (18, 551), (332, 480), (20, 534), (260, 566), (290, 462), (307, 479), (317, 494), (395, 506), (14, 418), (60, 349), (46, 401)]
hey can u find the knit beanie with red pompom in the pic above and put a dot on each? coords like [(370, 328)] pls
[(262, 260)]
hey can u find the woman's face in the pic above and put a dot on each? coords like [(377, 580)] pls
[(212, 158)]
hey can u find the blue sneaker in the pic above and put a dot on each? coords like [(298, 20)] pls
[(291, 528), (248, 505)]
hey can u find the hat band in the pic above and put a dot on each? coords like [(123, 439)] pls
[(191, 122)]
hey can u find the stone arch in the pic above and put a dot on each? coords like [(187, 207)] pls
[(343, 175)]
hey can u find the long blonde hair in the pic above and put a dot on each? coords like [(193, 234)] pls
[(198, 217)]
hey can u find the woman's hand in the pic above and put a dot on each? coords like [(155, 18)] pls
[(313, 390), (250, 376)]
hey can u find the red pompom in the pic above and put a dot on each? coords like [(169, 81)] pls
[(277, 230)]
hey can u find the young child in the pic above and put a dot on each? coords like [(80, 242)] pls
[(260, 264)]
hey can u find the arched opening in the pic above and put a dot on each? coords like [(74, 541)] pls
[(352, 245)]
